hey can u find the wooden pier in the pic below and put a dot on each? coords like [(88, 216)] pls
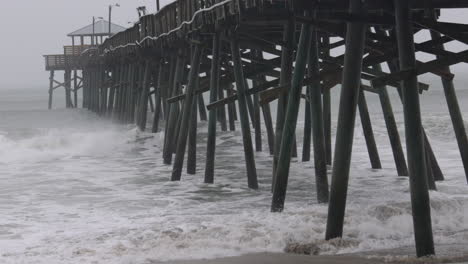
[(247, 54)]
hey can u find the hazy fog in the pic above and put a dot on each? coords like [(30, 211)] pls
[(32, 28)]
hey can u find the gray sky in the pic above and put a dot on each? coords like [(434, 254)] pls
[(32, 28)]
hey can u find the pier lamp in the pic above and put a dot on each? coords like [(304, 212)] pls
[(110, 17), (94, 30)]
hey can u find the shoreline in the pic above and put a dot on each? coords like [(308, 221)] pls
[(281, 258)]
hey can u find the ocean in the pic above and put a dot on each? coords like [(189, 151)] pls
[(79, 188)]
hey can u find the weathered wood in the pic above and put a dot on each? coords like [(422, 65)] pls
[(51, 89), (290, 122), (320, 160), (243, 113), (173, 110), (201, 107), (185, 115), (192, 138), (231, 112), (455, 113), (285, 79), (214, 89), (326, 98), (355, 39), (368, 132), (392, 130), (414, 135), (158, 98), (145, 87)]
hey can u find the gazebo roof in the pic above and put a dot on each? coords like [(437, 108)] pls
[(101, 28)]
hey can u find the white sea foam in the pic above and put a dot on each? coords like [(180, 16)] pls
[(87, 191)]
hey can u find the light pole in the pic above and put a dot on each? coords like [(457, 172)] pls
[(94, 30), (110, 17), (157, 5)]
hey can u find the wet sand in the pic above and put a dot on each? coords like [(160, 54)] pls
[(281, 258)]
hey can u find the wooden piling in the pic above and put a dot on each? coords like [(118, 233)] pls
[(290, 122), (75, 88), (145, 86), (214, 89), (173, 110), (316, 115), (368, 132), (327, 109), (192, 137), (185, 119), (243, 113), (454, 111), (231, 112), (306, 144), (392, 129), (158, 97), (51, 89), (285, 79), (355, 38), (414, 135)]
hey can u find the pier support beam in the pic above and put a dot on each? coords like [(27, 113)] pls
[(351, 83), (145, 87), (392, 129), (414, 134), (368, 132), (214, 89), (285, 79), (173, 109), (186, 114), (327, 110), (158, 107), (243, 113), (320, 154), (51, 88), (290, 122), (454, 110)]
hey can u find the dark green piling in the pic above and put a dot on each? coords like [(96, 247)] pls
[(290, 122), (158, 98), (185, 120), (414, 135), (145, 87), (351, 83), (455, 113), (327, 110), (214, 89), (285, 79), (51, 88), (392, 129), (368, 132), (316, 114), (192, 138), (243, 113), (173, 110)]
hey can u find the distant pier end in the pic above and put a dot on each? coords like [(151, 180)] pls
[(70, 60)]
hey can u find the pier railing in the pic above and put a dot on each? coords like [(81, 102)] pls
[(176, 21), (61, 62)]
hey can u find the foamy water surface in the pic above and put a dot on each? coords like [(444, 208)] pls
[(75, 188)]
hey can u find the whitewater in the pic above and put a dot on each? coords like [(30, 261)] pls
[(78, 188)]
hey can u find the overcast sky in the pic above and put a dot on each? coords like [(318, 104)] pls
[(32, 28)]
